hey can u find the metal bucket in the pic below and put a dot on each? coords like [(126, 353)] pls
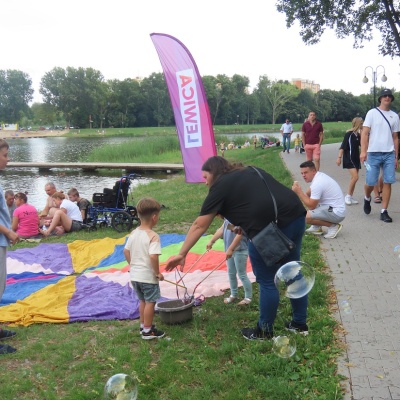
[(175, 311)]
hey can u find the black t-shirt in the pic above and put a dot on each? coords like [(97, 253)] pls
[(242, 198)]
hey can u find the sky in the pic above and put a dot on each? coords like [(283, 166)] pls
[(224, 37)]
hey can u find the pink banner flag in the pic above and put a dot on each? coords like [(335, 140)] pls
[(189, 103)]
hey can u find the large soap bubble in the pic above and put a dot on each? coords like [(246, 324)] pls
[(294, 279), (284, 346), (397, 250), (121, 387)]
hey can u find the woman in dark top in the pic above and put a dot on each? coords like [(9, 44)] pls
[(239, 195), (349, 153)]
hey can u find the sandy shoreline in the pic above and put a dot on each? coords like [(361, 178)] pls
[(4, 134)]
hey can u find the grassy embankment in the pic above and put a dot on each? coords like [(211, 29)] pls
[(205, 358)]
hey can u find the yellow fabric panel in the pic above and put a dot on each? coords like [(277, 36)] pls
[(52, 299), (86, 254)]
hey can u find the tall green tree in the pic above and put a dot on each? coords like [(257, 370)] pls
[(277, 94), (155, 91), (44, 114), (127, 102), (15, 94), (359, 19), (74, 91)]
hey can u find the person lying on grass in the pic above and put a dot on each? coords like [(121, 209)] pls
[(67, 218)]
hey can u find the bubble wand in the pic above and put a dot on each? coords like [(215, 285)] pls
[(193, 265)]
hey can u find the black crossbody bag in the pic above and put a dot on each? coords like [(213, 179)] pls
[(271, 243)]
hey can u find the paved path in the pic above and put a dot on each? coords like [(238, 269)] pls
[(366, 273)]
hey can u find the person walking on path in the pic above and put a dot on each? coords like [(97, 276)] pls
[(324, 200), (236, 259), (312, 135), (286, 130), (349, 154), (379, 149), (7, 236)]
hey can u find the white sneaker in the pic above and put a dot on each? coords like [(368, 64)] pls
[(347, 199), (315, 230), (353, 201), (333, 231)]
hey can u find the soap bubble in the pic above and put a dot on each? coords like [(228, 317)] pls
[(397, 250), (121, 387), (346, 307), (284, 346), (294, 279)]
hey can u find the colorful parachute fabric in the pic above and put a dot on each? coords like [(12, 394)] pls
[(89, 280)]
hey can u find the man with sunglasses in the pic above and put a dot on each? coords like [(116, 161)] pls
[(379, 150)]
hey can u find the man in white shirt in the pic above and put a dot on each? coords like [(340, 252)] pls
[(379, 150), (286, 130), (324, 200)]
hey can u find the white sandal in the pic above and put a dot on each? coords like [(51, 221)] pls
[(244, 302), (229, 300)]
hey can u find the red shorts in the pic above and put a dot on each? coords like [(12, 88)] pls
[(313, 151)]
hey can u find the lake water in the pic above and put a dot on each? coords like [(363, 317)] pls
[(60, 149)]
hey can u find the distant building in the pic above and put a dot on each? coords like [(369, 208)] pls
[(9, 127), (306, 84)]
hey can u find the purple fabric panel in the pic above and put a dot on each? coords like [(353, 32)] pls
[(95, 299), (55, 257)]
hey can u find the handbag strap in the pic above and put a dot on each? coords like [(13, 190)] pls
[(273, 198)]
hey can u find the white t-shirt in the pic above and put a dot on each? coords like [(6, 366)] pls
[(328, 193), (287, 128), (141, 244), (72, 210), (380, 136)]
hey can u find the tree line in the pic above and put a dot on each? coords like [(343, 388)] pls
[(81, 97)]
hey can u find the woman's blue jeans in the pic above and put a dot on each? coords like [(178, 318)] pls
[(237, 267), (269, 295)]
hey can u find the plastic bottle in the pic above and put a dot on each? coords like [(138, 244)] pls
[(367, 166), (346, 307)]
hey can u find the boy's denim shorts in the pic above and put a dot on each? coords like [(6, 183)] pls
[(148, 292)]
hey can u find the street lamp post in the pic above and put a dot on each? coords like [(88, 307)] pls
[(374, 78), (237, 119)]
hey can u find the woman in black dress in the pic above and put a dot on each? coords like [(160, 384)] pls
[(350, 153)]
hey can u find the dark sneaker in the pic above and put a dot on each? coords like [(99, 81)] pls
[(256, 334), (6, 349), (4, 334), (152, 334), (297, 328), (367, 206), (385, 217)]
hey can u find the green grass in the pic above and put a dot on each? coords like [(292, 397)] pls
[(206, 358), (161, 145), (329, 128)]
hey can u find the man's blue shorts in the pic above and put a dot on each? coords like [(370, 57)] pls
[(378, 160)]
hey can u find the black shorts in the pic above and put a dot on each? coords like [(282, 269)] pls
[(76, 226)]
